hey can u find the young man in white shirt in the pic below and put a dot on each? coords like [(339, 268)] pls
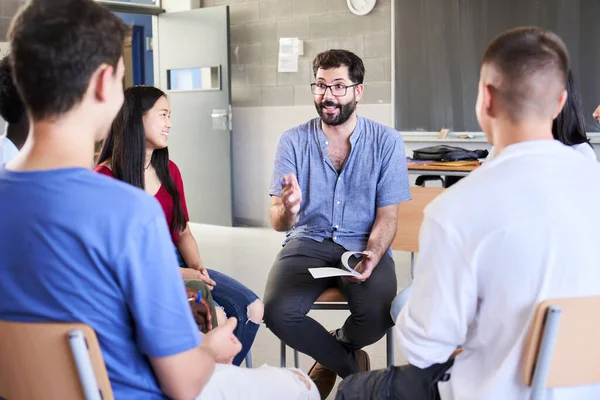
[(512, 234)]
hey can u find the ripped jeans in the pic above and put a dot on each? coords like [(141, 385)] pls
[(235, 299), (265, 383)]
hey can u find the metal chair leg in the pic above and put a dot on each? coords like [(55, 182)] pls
[(248, 359), (296, 359), (283, 362), (390, 347)]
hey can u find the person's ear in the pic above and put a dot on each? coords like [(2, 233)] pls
[(561, 103), (102, 80), (358, 91), (489, 102)]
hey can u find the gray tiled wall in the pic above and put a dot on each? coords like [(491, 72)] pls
[(8, 8), (257, 25)]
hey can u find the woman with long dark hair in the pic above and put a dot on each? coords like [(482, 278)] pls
[(136, 152)]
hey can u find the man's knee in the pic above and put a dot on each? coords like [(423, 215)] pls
[(279, 313), (376, 315)]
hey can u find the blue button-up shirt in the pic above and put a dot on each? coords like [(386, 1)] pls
[(342, 206)]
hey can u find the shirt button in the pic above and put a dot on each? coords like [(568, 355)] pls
[(336, 227), (326, 142), (338, 202), (339, 178), (335, 238)]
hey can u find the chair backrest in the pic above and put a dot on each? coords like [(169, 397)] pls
[(410, 217), (575, 359), (36, 361)]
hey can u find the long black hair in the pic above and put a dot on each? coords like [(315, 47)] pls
[(125, 146), (569, 127)]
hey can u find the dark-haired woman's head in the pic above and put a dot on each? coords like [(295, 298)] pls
[(157, 124), (569, 126), (142, 127), (125, 145)]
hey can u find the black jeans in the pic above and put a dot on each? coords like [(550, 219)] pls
[(406, 382), (291, 290)]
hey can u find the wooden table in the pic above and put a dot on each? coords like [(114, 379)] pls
[(458, 168)]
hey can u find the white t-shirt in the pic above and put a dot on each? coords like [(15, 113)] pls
[(517, 231), (583, 148), (8, 150)]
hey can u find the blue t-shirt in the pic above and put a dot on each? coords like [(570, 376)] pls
[(76, 246), (342, 206)]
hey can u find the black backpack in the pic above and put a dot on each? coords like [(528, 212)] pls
[(448, 153)]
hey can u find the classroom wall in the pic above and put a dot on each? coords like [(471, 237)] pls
[(257, 25), (8, 8)]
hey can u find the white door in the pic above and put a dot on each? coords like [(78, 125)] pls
[(193, 68)]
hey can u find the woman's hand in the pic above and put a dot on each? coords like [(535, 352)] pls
[(191, 274), (204, 276)]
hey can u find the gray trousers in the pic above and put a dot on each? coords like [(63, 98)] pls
[(291, 290)]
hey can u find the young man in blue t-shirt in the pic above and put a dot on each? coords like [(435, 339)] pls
[(77, 246)]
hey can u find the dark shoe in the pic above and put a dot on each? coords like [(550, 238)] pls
[(363, 362), (323, 378)]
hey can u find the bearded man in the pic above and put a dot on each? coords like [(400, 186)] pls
[(336, 186)]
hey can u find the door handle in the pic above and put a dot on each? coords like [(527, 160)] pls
[(220, 120), (218, 114)]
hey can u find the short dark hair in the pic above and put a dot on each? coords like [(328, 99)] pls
[(336, 58), (12, 108), (56, 46), (533, 63)]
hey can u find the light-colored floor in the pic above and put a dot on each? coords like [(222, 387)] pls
[(247, 254)]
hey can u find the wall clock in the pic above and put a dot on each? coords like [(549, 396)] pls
[(361, 7)]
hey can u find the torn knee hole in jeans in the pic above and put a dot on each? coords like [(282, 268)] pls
[(256, 307)]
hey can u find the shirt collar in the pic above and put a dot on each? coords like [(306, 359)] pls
[(532, 147), (324, 142)]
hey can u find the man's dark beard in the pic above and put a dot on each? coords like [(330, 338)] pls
[(345, 112)]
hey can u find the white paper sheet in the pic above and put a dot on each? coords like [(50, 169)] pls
[(288, 55), (318, 273)]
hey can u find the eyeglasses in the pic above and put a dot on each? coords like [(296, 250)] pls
[(338, 90)]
